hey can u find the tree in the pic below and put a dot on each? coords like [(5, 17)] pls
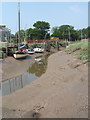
[(42, 29), (55, 31), (65, 32), (22, 35), (88, 32), (74, 35), (41, 25), (83, 33), (32, 34)]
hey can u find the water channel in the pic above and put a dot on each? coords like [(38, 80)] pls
[(34, 72)]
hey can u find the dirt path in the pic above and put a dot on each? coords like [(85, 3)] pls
[(62, 92)]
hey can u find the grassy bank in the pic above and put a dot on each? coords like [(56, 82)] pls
[(81, 50)]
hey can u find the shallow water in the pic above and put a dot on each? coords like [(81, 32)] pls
[(34, 72)]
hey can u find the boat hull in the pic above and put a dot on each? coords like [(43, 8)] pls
[(31, 52), (20, 56), (38, 50)]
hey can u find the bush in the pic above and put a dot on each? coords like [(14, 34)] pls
[(81, 48)]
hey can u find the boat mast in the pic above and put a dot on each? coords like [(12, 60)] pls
[(19, 23)]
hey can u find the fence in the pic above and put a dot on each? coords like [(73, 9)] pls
[(42, 41)]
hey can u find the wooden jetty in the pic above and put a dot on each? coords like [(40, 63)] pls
[(7, 50)]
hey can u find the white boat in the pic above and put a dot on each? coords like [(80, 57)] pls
[(20, 55), (30, 51), (39, 50)]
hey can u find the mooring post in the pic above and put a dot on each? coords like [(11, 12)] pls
[(58, 46), (6, 50), (21, 82), (10, 86)]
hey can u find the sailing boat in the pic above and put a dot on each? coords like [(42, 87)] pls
[(20, 53)]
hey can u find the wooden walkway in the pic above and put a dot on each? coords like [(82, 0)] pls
[(6, 51)]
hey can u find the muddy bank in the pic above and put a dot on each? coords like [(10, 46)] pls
[(12, 68), (62, 92)]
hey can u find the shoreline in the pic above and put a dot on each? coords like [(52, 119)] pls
[(62, 92), (12, 68)]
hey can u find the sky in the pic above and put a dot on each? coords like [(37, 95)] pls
[(55, 13)]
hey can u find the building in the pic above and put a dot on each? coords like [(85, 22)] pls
[(5, 34)]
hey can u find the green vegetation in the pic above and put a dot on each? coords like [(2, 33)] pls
[(41, 31), (68, 32), (65, 32), (81, 49), (22, 35)]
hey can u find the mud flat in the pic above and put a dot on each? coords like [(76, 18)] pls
[(62, 92), (10, 67)]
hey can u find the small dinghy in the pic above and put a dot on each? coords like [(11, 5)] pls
[(20, 54), (31, 51), (39, 49)]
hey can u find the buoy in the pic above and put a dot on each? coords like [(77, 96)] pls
[(67, 46)]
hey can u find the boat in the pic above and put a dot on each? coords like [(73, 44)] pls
[(30, 51), (20, 55), (39, 50), (21, 52)]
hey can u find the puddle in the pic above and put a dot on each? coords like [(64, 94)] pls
[(39, 67), (35, 71), (11, 85)]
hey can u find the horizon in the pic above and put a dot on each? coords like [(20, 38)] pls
[(70, 13)]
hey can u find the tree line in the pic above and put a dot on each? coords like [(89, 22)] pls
[(41, 30)]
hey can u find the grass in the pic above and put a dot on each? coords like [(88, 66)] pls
[(82, 50)]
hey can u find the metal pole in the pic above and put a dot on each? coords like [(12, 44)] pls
[(85, 36), (69, 35), (81, 34), (19, 23)]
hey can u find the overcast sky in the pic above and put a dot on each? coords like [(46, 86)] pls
[(56, 13)]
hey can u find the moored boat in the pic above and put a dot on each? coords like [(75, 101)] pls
[(20, 54), (39, 50), (30, 51)]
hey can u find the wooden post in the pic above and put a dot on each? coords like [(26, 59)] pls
[(6, 50), (58, 46), (21, 82), (10, 86)]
